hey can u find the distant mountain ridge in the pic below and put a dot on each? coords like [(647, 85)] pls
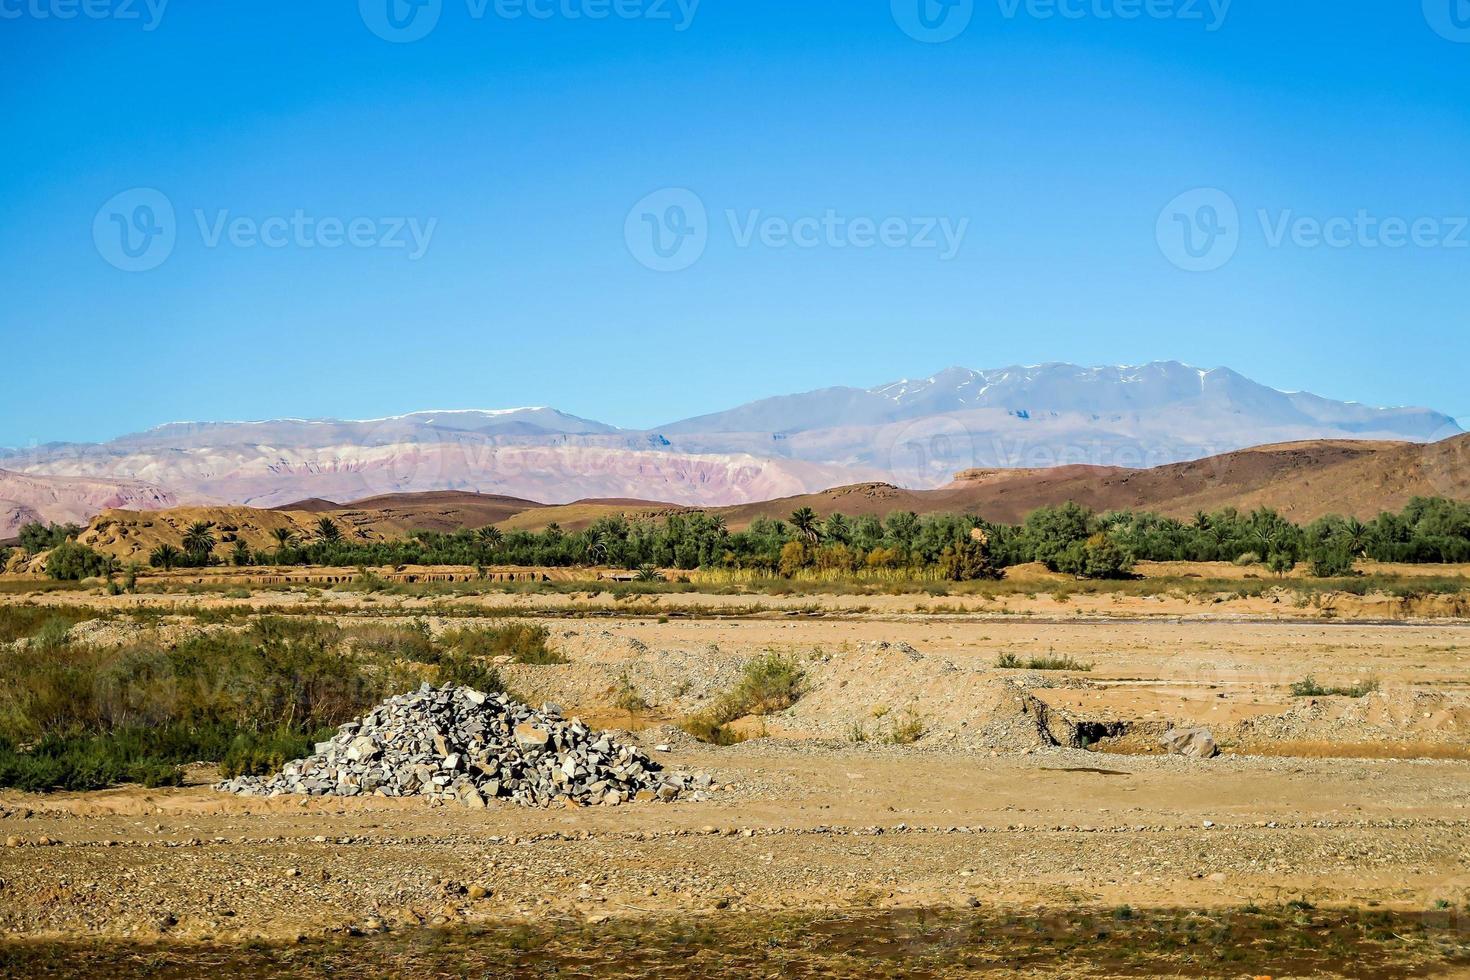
[(915, 434)]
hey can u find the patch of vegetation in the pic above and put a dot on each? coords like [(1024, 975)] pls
[(72, 562), (627, 697), (525, 643), (767, 685), (75, 716), (21, 621), (36, 537), (1009, 661), (907, 728), (1309, 688)]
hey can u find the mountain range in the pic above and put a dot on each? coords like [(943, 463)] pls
[(913, 434)]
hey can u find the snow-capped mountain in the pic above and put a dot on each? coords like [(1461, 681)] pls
[(1065, 389), (915, 433)]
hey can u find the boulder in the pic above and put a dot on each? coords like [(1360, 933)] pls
[(1194, 743)]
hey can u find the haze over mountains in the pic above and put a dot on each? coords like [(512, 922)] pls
[(916, 434)]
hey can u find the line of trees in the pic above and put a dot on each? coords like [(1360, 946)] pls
[(1067, 538)]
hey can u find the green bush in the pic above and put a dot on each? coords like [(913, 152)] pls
[(20, 621), (1309, 688), (36, 537), (72, 562), (76, 716), (523, 642), (1332, 561), (767, 685)]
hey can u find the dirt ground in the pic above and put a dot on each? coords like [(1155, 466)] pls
[(1026, 790)]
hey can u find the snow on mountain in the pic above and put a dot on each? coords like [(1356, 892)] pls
[(915, 433)]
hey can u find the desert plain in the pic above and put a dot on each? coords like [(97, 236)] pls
[(930, 804)]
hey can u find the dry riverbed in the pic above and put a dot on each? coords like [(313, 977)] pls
[(1329, 839)]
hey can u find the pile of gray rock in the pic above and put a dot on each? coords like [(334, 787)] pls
[(459, 744)]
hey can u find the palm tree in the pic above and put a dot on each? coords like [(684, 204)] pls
[(837, 529), (1357, 535), (285, 537), (199, 541), (597, 548), (165, 556), (805, 522), (491, 537), (328, 531)]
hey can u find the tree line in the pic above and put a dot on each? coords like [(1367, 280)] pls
[(1068, 538)]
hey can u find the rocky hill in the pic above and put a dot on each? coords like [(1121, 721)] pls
[(25, 498)]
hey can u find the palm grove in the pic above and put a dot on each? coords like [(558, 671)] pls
[(1067, 538)]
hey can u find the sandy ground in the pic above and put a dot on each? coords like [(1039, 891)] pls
[(1339, 802)]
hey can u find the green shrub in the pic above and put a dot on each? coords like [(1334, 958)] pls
[(526, 643), (1332, 561), (1309, 688), (907, 729), (20, 621), (72, 562), (1009, 661), (768, 684)]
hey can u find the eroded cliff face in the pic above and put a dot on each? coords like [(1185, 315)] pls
[(25, 498)]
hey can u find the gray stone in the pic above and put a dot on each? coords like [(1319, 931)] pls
[(1194, 743)]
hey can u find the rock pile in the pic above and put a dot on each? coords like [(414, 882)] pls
[(456, 743)]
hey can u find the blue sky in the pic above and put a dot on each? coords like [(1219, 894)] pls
[(1068, 149)]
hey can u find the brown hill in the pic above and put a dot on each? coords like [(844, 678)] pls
[(442, 510), (1302, 480)]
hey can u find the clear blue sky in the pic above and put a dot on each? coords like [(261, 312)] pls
[(527, 141)]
